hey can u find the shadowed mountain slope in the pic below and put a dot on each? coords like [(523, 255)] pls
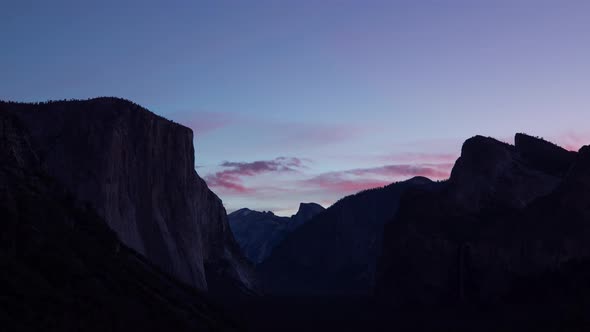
[(507, 213), (136, 169), (63, 269), (336, 252), (258, 233)]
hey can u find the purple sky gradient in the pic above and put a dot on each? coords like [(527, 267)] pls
[(362, 93)]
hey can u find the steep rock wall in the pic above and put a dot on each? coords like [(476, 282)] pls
[(137, 170)]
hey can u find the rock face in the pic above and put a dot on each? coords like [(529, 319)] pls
[(258, 233), (137, 170), (492, 170), (507, 213), (336, 252), (305, 213), (64, 269)]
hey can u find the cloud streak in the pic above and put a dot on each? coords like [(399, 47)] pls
[(289, 179), (231, 178), (573, 141), (429, 170), (349, 181)]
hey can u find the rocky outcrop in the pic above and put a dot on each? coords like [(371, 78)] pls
[(507, 213), (544, 155), (137, 170), (491, 170), (336, 252), (64, 269), (258, 233), (305, 213)]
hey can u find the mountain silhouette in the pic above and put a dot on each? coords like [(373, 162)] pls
[(258, 233), (136, 169), (509, 229), (336, 251), (64, 269)]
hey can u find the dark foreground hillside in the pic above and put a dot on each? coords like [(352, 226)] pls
[(555, 300), (552, 301)]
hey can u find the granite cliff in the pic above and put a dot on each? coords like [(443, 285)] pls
[(507, 213), (64, 269), (136, 169)]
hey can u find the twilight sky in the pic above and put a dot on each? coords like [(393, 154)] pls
[(312, 100)]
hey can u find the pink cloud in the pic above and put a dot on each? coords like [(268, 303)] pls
[(335, 183), (573, 141), (437, 171), (228, 181), (353, 180), (288, 181), (280, 164), (231, 178)]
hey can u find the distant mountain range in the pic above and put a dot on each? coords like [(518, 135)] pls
[(258, 233), (336, 252)]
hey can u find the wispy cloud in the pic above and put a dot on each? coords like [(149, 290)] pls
[(335, 183), (289, 180), (348, 181), (429, 170), (572, 141), (231, 178)]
